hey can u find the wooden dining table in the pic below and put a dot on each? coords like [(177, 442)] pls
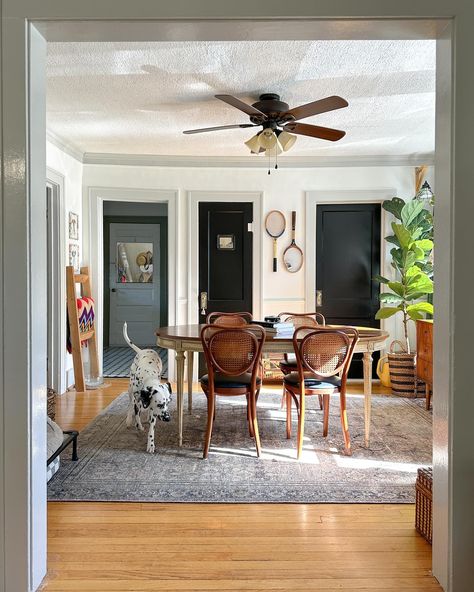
[(185, 340)]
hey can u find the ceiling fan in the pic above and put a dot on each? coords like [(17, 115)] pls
[(279, 121)]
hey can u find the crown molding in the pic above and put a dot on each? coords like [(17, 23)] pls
[(256, 162), (64, 146)]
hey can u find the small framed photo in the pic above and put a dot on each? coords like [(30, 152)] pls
[(73, 226), (74, 259), (226, 242)]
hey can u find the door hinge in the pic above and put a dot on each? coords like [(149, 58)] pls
[(250, 227)]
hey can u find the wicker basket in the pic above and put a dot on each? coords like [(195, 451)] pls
[(402, 371), (51, 409), (424, 504)]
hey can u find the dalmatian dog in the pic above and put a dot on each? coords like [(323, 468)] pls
[(146, 391)]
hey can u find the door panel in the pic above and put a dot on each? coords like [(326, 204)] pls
[(134, 284), (225, 256), (347, 258)]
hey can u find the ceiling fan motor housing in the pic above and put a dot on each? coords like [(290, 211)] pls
[(270, 104)]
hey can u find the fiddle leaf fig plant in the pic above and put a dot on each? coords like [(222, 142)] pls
[(412, 261)]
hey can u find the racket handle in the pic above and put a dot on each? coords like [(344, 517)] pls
[(275, 253), (293, 225)]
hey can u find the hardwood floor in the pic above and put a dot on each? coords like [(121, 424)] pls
[(112, 547)]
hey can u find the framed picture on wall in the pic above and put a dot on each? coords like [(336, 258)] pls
[(73, 226), (74, 258)]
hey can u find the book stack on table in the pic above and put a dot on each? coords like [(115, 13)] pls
[(277, 329)]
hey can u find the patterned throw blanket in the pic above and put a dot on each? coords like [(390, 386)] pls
[(85, 309)]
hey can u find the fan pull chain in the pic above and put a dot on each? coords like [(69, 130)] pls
[(268, 161), (276, 159)]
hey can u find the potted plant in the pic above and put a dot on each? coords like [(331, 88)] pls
[(407, 293)]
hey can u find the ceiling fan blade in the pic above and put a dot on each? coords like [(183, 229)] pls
[(315, 131), (217, 128), (316, 107), (238, 104)]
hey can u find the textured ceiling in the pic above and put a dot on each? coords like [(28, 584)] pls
[(136, 98)]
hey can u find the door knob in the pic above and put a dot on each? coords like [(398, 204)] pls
[(113, 290), (203, 302)]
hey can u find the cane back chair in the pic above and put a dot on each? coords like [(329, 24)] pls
[(233, 356), (229, 319), (323, 357)]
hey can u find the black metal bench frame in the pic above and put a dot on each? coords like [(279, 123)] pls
[(71, 437)]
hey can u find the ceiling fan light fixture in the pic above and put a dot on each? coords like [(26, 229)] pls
[(286, 140), (275, 151), (253, 144), (267, 139)]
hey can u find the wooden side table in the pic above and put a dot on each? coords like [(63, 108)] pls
[(424, 358)]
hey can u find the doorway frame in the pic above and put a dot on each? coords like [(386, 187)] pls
[(58, 334), (194, 199), (96, 198), (22, 561)]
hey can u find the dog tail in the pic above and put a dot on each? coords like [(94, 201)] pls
[(127, 339)]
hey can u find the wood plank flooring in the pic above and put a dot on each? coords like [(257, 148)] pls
[(118, 547)]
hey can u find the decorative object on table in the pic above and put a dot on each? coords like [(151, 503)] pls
[(383, 371), (81, 326), (293, 256), (275, 224), (424, 355), (74, 258), (279, 123), (412, 262), (424, 503), (73, 226)]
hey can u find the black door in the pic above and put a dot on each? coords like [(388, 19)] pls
[(225, 257), (347, 258)]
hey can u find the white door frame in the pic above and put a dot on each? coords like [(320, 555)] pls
[(96, 198), (343, 196), (22, 425), (194, 198), (56, 181)]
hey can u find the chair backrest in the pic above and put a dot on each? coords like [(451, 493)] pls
[(232, 350), (229, 319), (324, 352), (307, 319)]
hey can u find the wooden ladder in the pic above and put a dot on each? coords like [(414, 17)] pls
[(76, 336)]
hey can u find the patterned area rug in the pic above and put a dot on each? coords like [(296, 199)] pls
[(117, 361), (114, 466)]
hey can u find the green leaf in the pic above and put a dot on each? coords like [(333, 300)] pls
[(412, 272), (397, 287), (403, 235), (386, 312), (381, 279), (421, 284), (419, 253), (394, 206), (425, 244), (409, 296), (393, 239), (415, 315), (410, 211), (421, 307), (390, 298), (409, 260)]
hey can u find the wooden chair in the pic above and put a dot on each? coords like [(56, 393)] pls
[(323, 358), (288, 363), (233, 357), (229, 319)]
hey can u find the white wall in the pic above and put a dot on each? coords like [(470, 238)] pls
[(71, 170), (284, 189)]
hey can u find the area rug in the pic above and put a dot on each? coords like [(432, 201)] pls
[(114, 466)]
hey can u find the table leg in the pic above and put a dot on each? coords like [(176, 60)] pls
[(190, 360), (179, 393), (367, 394)]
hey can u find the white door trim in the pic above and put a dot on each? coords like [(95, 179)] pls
[(96, 198), (57, 182), (194, 198)]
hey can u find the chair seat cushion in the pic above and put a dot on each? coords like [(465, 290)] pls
[(225, 381), (311, 382)]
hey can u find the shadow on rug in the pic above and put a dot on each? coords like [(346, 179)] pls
[(114, 465)]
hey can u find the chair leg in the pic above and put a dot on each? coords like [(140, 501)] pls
[(249, 417), (211, 404), (321, 405), (345, 425), (288, 414), (300, 426), (326, 401), (253, 412), (428, 396)]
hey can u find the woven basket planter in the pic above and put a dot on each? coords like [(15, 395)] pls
[(51, 409), (402, 371)]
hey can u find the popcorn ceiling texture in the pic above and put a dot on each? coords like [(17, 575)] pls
[(137, 98)]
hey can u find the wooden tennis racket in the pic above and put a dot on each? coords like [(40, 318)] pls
[(275, 224)]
